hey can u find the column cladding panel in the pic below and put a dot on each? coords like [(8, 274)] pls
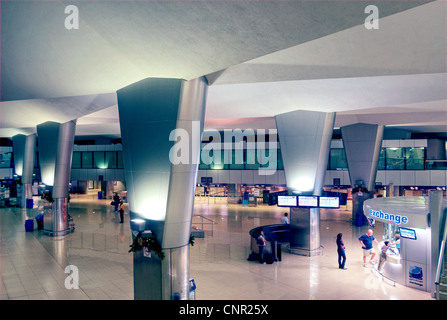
[(159, 190), (362, 144), (305, 138), (150, 110), (18, 143)]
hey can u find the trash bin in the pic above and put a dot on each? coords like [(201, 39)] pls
[(29, 203), (29, 225), (99, 195), (39, 220)]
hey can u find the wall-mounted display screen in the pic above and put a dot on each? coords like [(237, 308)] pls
[(287, 201), (408, 233), (329, 202), (308, 201)]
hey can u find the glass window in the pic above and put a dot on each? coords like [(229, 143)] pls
[(381, 163), (120, 160), (87, 160), (395, 158), (99, 159), (337, 159), (5, 159), (237, 160), (280, 163), (218, 160), (76, 160), (111, 159), (202, 165), (415, 158), (268, 158), (251, 161)]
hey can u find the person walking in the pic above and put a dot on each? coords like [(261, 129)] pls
[(341, 252), (383, 255), (366, 240), (116, 201), (121, 211)]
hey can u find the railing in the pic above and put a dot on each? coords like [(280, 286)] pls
[(202, 223), (219, 194), (441, 262), (435, 164)]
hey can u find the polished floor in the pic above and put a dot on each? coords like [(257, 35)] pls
[(32, 265)]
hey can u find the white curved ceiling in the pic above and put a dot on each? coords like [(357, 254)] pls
[(261, 58)]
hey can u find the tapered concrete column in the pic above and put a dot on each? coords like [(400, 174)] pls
[(18, 147), (161, 125), (362, 143), (305, 138), (24, 150), (55, 155)]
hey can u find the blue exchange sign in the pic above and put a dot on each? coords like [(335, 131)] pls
[(397, 219)]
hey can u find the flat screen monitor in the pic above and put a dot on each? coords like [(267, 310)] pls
[(287, 201), (408, 233), (329, 202), (308, 201)]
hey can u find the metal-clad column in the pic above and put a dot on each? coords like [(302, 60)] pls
[(24, 150), (28, 167), (362, 143), (161, 125), (305, 138), (55, 156), (18, 145)]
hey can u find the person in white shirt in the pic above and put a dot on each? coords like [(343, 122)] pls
[(284, 219)]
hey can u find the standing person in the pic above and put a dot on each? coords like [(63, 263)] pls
[(383, 251), (366, 241), (261, 244), (121, 211), (341, 252), (116, 201), (396, 242), (284, 219)]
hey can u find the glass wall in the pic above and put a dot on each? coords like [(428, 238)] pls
[(97, 160), (395, 158), (337, 159), (253, 159), (5, 159), (414, 158)]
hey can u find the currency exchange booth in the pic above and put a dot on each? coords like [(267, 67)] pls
[(406, 225)]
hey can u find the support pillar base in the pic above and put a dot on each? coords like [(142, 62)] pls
[(56, 218)]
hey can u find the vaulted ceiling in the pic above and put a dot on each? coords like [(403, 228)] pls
[(261, 58)]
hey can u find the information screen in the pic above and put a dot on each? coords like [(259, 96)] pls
[(408, 233), (329, 202), (287, 201), (307, 201)]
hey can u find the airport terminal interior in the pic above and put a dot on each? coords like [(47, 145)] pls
[(211, 120), (33, 264)]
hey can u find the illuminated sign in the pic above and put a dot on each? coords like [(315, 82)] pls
[(408, 233), (329, 202), (308, 201), (395, 218), (287, 201)]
